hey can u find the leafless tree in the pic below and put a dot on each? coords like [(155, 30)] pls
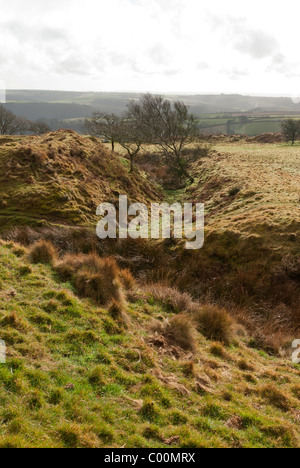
[(103, 125), (130, 136), (39, 127), (10, 124), (169, 126)]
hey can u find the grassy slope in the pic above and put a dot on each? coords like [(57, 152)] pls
[(267, 178), (60, 178), (75, 378), (250, 259)]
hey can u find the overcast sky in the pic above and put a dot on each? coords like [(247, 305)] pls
[(188, 46)]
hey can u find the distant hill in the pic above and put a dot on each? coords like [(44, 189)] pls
[(66, 109), (116, 102)]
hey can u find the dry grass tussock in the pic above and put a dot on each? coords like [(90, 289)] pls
[(171, 298), (43, 251), (98, 278), (179, 332), (215, 324)]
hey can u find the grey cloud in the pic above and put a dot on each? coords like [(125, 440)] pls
[(159, 55), (37, 34), (257, 44), (74, 65), (245, 39), (282, 65)]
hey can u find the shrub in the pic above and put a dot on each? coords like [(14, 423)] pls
[(215, 324), (43, 251)]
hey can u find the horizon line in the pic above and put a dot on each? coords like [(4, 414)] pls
[(168, 93)]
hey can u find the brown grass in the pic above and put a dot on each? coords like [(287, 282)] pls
[(118, 313), (215, 324), (43, 252), (127, 279), (170, 298), (275, 397), (179, 331), (94, 277)]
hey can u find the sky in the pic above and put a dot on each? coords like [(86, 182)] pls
[(166, 46)]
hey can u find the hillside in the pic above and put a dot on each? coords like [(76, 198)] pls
[(250, 260), (251, 189), (251, 194), (17, 100), (78, 375), (217, 114), (60, 179), (148, 344)]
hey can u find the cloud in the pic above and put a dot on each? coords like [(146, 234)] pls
[(159, 54), (161, 45), (257, 44)]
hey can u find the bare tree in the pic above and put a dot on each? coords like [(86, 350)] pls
[(103, 125), (39, 127), (10, 124), (169, 126), (291, 130), (130, 136)]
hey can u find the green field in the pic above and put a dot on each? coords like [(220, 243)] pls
[(242, 124)]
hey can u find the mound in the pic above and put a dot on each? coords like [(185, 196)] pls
[(60, 178)]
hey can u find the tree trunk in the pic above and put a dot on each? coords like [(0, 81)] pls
[(131, 163), (183, 170)]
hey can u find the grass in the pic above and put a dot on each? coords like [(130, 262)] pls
[(94, 277), (215, 323), (42, 251), (249, 263), (73, 381), (87, 368), (60, 178)]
